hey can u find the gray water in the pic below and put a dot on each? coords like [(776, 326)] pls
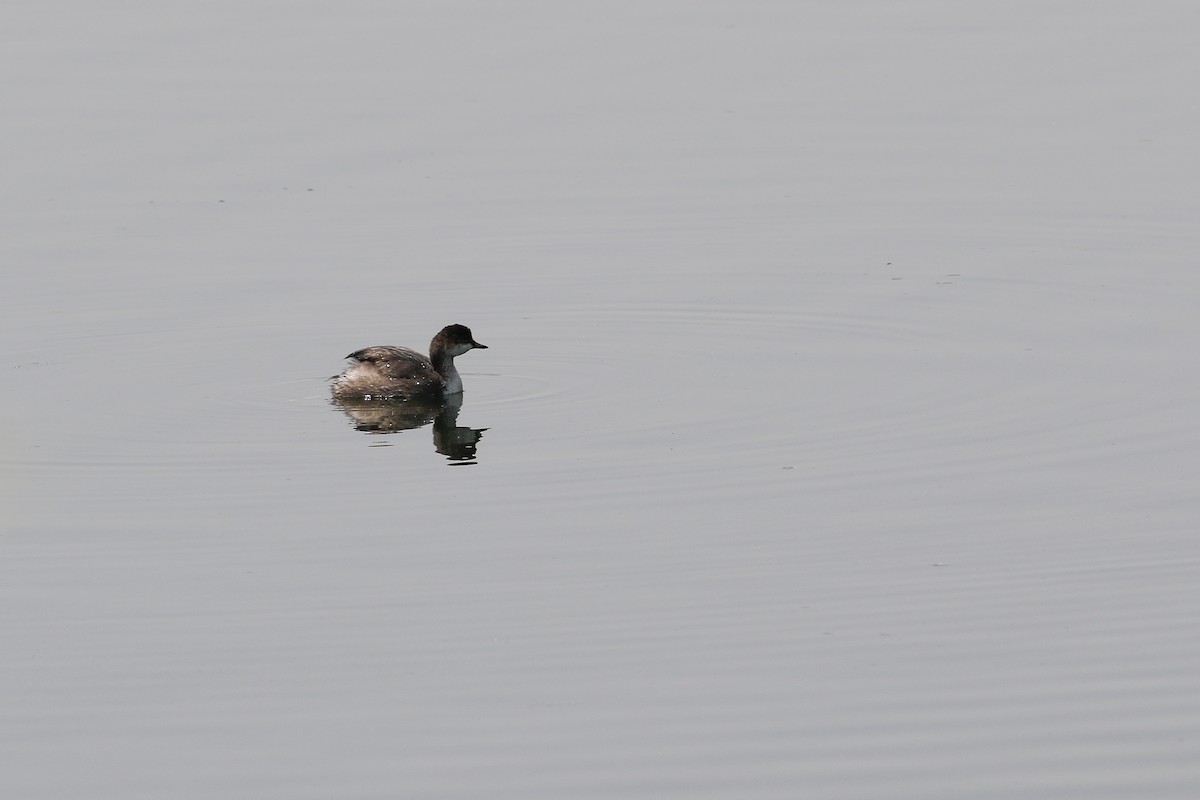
[(837, 422)]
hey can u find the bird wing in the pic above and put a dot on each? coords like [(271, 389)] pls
[(399, 360)]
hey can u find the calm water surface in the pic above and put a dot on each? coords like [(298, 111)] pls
[(835, 437)]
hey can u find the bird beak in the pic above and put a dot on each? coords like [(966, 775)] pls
[(477, 345)]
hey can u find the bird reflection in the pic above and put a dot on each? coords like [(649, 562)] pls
[(455, 442)]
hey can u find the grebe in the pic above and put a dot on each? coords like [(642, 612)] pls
[(385, 372)]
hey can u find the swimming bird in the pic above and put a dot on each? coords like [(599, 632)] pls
[(388, 373)]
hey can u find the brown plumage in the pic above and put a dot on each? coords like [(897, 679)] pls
[(387, 373)]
